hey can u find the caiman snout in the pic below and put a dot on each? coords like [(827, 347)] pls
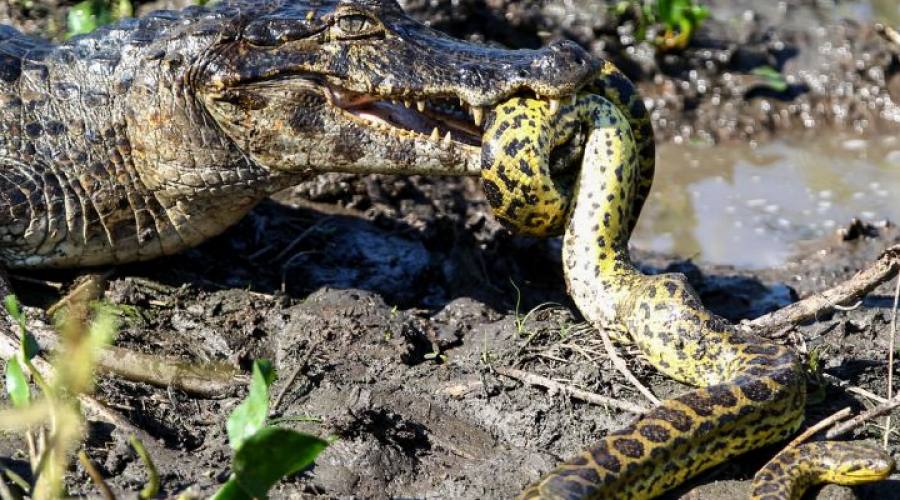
[(555, 71)]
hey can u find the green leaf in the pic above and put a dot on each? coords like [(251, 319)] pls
[(27, 344), (121, 8), (82, 18), (771, 77), (250, 416), (665, 10), (17, 383), (271, 454), (267, 370), (12, 307), (700, 13), (231, 490)]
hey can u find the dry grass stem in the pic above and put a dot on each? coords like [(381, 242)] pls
[(150, 489), (589, 397), (863, 417), (819, 426), (890, 367), (95, 475), (620, 365)]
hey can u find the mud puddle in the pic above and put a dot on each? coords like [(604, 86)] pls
[(755, 207)]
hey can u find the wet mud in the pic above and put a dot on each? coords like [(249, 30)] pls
[(395, 300)]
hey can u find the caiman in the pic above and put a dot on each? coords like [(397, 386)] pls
[(152, 135)]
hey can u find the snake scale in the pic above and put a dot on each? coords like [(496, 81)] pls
[(750, 392)]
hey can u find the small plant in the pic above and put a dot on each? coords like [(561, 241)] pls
[(771, 77), (678, 20), (522, 320), (263, 454), (86, 16), (52, 423), (815, 374)]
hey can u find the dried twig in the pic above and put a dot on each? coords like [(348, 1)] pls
[(590, 397), (885, 268), (89, 289), (854, 389), (819, 426), (209, 380), (863, 417), (9, 346), (95, 475), (620, 365), (302, 364), (889, 33), (302, 236), (35, 281), (851, 307), (890, 364)]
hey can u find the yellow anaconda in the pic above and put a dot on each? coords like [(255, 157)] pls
[(751, 392)]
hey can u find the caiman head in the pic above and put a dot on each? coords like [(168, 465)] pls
[(358, 86)]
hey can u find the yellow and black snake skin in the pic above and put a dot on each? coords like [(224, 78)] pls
[(751, 392)]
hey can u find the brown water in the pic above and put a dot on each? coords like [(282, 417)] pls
[(752, 207)]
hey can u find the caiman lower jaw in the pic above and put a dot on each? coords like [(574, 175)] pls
[(440, 119)]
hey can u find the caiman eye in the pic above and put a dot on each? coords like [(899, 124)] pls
[(353, 26)]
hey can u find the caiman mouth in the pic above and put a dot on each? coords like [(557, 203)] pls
[(443, 120)]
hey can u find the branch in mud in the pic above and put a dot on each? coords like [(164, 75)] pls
[(848, 292), (552, 385), (207, 380)]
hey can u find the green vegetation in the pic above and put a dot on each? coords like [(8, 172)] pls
[(53, 425), (263, 454), (677, 20), (522, 320), (771, 77), (51, 422), (87, 15)]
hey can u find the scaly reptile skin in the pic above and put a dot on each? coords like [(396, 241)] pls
[(152, 135), (752, 392)]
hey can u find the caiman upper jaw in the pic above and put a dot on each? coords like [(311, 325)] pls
[(457, 85), (442, 119)]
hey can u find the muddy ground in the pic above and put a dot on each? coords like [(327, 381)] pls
[(395, 299)]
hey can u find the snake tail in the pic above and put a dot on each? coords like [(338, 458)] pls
[(750, 392)]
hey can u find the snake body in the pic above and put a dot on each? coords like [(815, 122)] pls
[(750, 392)]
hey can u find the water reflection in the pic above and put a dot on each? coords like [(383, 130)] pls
[(733, 204)]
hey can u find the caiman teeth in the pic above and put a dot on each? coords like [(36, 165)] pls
[(554, 106), (478, 115), (447, 139), (435, 135), (408, 104), (420, 105)]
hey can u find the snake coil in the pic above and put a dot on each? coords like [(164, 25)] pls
[(750, 392)]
